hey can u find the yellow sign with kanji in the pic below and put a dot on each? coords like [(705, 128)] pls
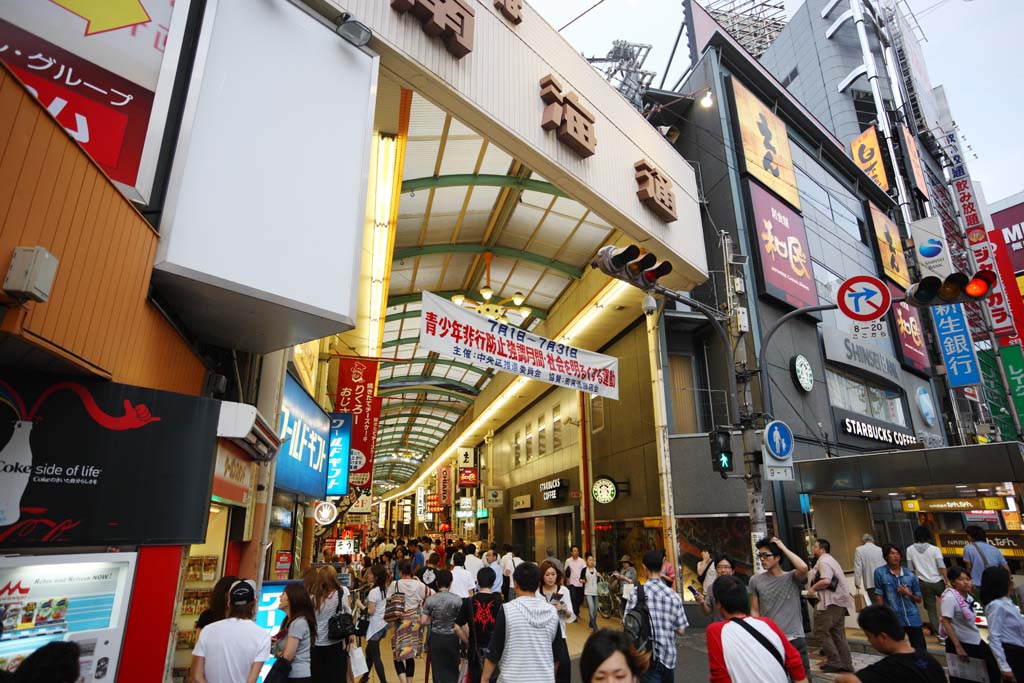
[(954, 504), (890, 248), (765, 151), (868, 155)]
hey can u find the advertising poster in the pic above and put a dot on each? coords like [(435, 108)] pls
[(100, 463), (445, 486), (955, 342), (80, 598), (910, 153), (787, 273), (766, 154), (1010, 222), (930, 248), (1008, 281), (99, 69), (890, 248), (998, 305), (304, 430), (907, 321), (357, 396), (456, 332), (338, 454), (868, 155)]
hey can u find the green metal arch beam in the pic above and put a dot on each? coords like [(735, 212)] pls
[(403, 405), (425, 431), (479, 180), (412, 427), (416, 416), (398, 391), (437, 361), (400, 342), (426, 380), (416, 297), (562, 267), (401, 444), (415, 449)]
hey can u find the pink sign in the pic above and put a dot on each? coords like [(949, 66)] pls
[(786, 270)]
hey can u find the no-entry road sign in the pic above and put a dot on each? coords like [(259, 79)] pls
[(863, 298)]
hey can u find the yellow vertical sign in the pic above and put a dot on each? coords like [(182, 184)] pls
[(868, 155), (765, 145), (890, 248), (914, 159)]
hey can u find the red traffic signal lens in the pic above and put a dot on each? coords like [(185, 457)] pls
[(651, 275), (981, 284)]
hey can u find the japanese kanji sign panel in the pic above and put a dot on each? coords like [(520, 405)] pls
[(654, 190), (338, 452), (998, 307), (510, 9), (913, 159), (1010, 221), (573, 124), (96, 68), (890, 248), (1013, 363), (955, 342), (445, 485), (911, 348), (357, 386), (786, 270), (766, 153), (451, 20), (1008, 282), (868, 156), (456, 332)]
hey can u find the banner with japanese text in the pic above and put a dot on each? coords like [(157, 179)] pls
[(787, 272), (356, 395), (998, 306), (890, 248), (456, 332), (955, 342), (338, 452), (1011, 289), (912, 351), (868, 155)]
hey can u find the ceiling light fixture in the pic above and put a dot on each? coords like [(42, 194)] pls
[(496, 310)]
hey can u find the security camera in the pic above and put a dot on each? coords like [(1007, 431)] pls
[(650, 306)]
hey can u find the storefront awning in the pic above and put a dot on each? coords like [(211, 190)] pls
[(912, 469)]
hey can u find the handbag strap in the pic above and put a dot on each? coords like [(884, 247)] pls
[(984, 560), (759, 637), (337, 610)]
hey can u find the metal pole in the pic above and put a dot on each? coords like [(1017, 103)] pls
[(668, 514)]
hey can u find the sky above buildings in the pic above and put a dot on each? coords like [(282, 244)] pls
[(971, 48)]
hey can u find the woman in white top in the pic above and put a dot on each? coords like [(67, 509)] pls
[(958, 623), (407, 641), (590, 578), (1005, 623), (328, 658), (376, 601), (553, 591)]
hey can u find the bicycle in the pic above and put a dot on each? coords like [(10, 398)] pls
[(609, 596)]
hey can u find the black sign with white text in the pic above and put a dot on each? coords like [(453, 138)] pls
[(882, 434)]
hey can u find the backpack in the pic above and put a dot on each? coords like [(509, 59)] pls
[(636, 623), (341, 625)]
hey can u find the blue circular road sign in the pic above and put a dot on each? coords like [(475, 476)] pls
[(778, 440)]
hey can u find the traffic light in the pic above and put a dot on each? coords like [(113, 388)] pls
[(631, 264), (957, 288), (721, 451)]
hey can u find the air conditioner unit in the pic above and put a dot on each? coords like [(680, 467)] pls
[(244, 425)]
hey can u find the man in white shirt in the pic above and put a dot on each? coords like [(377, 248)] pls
[(473, 563), (232, 650), (508, 565), (925, 560), (866, 559), (463, 583), (574, 568)]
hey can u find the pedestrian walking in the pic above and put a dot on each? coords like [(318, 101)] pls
[(407, 640), (828, 585), (477, 621), (609, 657), (706, 569), (552, 590), (217, 608), (328, 658), (866, 559), (525, 630), (958, 623), (668, 571), (473, 563), (491, 559), (902, 661), (441, 611), (508, 566), (927, 563), (627, 578), (590, 579), (746, 649), (234, 648), (463, 583), (376, 602), (775, 593), (899, 590), (667, 619), (553, 559), (294, 642), (724, 566), (574, 568), (979, 555), (428, 573), (1005, 623)]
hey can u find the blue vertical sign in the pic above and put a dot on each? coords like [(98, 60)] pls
[(958, 355), (337, 458), (304, 430)]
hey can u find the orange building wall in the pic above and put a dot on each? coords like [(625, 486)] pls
[(98, 317)]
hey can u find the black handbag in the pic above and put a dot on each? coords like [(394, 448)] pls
[(279, 672), (340, 626)]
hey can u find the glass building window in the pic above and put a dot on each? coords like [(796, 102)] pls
[(529, 442), (556, 427), (517, 449), (542, 441), (864, 397)]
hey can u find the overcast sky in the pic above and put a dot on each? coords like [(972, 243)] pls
[(972, 49)]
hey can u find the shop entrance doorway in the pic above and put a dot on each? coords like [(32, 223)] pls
[(535, 532)]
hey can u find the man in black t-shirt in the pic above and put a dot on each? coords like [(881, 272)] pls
[(428, 574), (902, 662), (478, 618)]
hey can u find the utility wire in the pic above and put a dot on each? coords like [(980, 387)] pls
[(580, 15)]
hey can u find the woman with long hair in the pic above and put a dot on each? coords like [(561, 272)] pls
[(552, 590), (217, 608), (298, 632), (407, 641), (328, 658), (376, 601), (609, 656), (1005, 623), (957, 617)]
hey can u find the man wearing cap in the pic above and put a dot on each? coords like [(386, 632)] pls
[(233, 649)]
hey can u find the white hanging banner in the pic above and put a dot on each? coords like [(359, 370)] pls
[(456, 332)]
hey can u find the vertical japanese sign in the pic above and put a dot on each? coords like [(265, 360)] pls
[(955, 342), (445, 486), (421, 503), (786, 270), (913, 158), (998, 306), (99, 69), (1013, 363), (911, 348), (357, 388), (304, 430), (1010, 287), (995, 395), (766, 154), (890, 248), (338, 454), (868, 155)]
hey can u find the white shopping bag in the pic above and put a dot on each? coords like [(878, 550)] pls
[(358, 660), (973, 669)]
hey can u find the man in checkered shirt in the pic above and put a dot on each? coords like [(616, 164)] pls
[(667, 619)]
